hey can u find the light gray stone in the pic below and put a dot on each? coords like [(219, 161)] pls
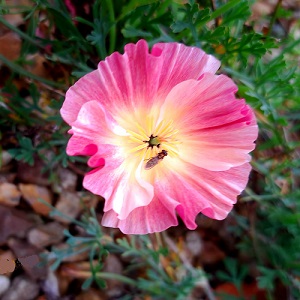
[(4, 284)]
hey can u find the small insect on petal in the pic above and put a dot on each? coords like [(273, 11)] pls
[(153, 161)]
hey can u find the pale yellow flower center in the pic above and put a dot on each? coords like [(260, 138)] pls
[(147, 137)]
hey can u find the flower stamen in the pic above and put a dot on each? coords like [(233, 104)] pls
[(135, 149), (141, 130), (136, 135), (153, 141)]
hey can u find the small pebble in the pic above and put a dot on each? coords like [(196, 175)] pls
[(23, 288), (9, 194), (4, 284), (34, 195)]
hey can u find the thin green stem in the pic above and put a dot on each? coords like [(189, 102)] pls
[(105, 275), (112, 32), (84, 21), (213, 8), (159, 239), (252, 196), (291, 47), (219, 11), (274, 17), (23, 35), (16, 68), (223, 9)]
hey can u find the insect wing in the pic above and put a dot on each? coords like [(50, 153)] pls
[(152, 162)]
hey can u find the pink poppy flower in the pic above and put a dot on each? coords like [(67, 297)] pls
[(166, 136)]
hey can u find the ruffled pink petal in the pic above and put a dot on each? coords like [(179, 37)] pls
[(94, 123), (188, 193), (94, 133), (207, 102), (155, 217), (78, 145), (137, 78), (198, 190), (84, 90), (124, 190), (222, 148), (181, 63), (217, 130), (121, 83)]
